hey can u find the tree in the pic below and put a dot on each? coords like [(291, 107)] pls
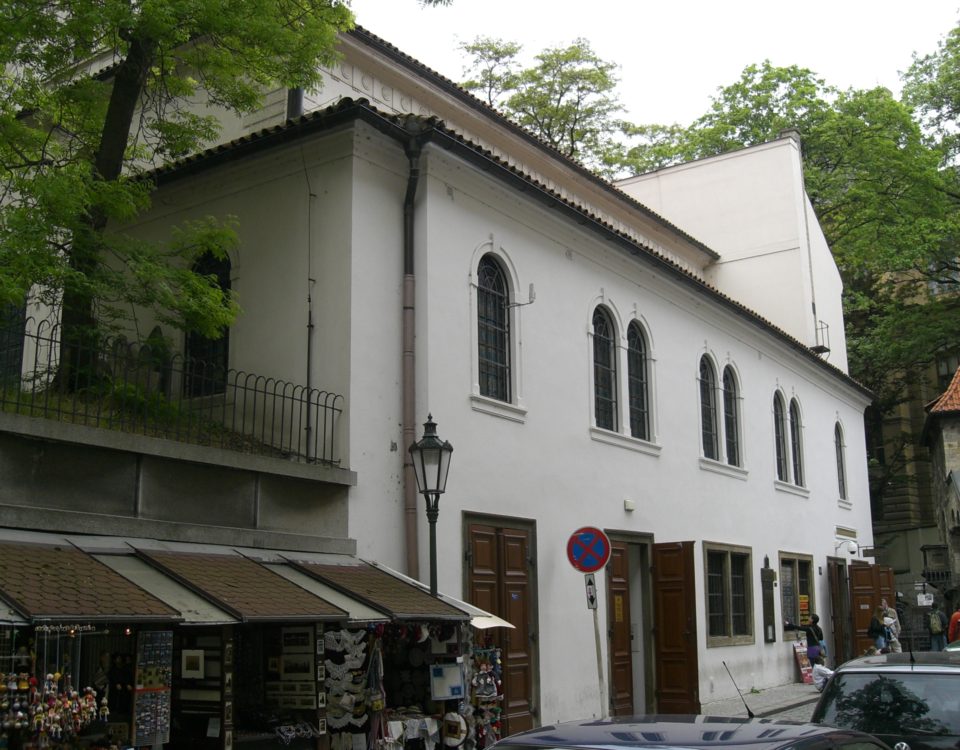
[(566, 98), (932, 87), (94, 92), (494, 65)]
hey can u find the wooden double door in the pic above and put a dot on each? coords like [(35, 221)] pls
[(500, 580)]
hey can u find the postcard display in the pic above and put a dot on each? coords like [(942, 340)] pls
[(151, 699)]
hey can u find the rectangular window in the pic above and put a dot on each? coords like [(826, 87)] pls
[(729, 600), (796, 588)]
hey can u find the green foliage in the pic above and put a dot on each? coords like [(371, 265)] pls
[(92, 94), (567, 98), (932, 87)]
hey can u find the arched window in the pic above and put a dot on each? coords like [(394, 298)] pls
[(796, 446), (731, 417), (604, 371), (493, 329), (841, 464), (637, 376), (780, 436), (207, 359), (708, 409)]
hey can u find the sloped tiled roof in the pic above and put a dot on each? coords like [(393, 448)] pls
[(61, 583), (242, 587), (948, 401), (381, 590)]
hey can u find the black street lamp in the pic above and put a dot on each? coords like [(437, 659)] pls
[(431, 463)]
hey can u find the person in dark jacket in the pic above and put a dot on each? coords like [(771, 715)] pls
[(814, 633), (878, 631)]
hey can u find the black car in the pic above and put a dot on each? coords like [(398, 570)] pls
[(688, 732), (910, 701)]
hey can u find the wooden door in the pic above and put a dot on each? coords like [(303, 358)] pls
[(675, 629), (499, 580), (842, 624), (869, 584), (619, 630)]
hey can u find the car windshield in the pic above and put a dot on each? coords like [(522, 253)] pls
[(915, 703)]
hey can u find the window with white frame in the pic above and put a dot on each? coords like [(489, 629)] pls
[(796, 443), (780, 436), (841, 461), (604, 370), (709, 428), (638, 381), (796, 588), (731, 417), (728, 589), (493, 329)]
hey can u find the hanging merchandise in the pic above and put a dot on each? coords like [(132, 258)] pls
[(486, 684), (346, 684)]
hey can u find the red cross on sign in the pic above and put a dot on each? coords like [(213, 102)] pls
[(588, 549)]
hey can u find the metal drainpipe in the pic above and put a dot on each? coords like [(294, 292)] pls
[(412, 149)]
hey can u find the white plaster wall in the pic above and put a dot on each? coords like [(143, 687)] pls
[(550, 468), (544, 464), (750, 206)]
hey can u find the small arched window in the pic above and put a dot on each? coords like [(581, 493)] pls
[(493, 329), (796, 444), (780, 436), (841, 463), (604, 370), (731, 416), (637, 376), (708, 409), (207, 359)]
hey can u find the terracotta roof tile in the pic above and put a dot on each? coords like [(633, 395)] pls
[(383, 591), (59, 582), (949, 400), (243, 587)]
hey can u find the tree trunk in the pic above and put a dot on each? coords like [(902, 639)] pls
[(79, 329)]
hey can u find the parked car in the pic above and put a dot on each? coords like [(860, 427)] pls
[(688, 732), (910, 701)]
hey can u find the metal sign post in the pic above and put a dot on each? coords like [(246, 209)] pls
[(588, 550)]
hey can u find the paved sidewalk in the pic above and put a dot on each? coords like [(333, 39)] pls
[(763, 702)]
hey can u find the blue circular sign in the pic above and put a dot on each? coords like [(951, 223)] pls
[(588, 549)]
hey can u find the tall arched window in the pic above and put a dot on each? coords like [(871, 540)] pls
[(780, 436), (637, 376), (841, 464), (731, 416), (493, 329), (604, 370), (796, 445), (708, 409), (207, 359)]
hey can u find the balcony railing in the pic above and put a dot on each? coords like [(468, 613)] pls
[(147, 390)]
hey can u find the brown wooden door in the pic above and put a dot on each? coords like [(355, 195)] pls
[(840, 606), (620, 639), (869, 584), (675, 629), (499, 581)]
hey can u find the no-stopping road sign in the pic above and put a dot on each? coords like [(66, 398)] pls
[(588, 549)]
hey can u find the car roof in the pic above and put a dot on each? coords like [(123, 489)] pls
[(925, 660), (676, 731)]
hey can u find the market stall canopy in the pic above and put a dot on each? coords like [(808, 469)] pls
[(59, 582), (48, 577), (382, 591), (194, 609), (247, 590), (479, 618)]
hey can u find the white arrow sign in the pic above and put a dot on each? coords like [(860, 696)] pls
[(591, 585)]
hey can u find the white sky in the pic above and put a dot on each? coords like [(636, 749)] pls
[(675, 54)]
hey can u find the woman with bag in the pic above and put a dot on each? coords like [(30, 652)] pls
[(814, 633), (877, 630)]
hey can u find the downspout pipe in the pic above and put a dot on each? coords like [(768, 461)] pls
[(412, 149)]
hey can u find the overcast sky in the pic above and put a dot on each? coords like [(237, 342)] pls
[(675, 54)]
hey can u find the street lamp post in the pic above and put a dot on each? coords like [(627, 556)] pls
[(431, 463)]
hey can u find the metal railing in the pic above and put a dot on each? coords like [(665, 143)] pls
[(148, 390)]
